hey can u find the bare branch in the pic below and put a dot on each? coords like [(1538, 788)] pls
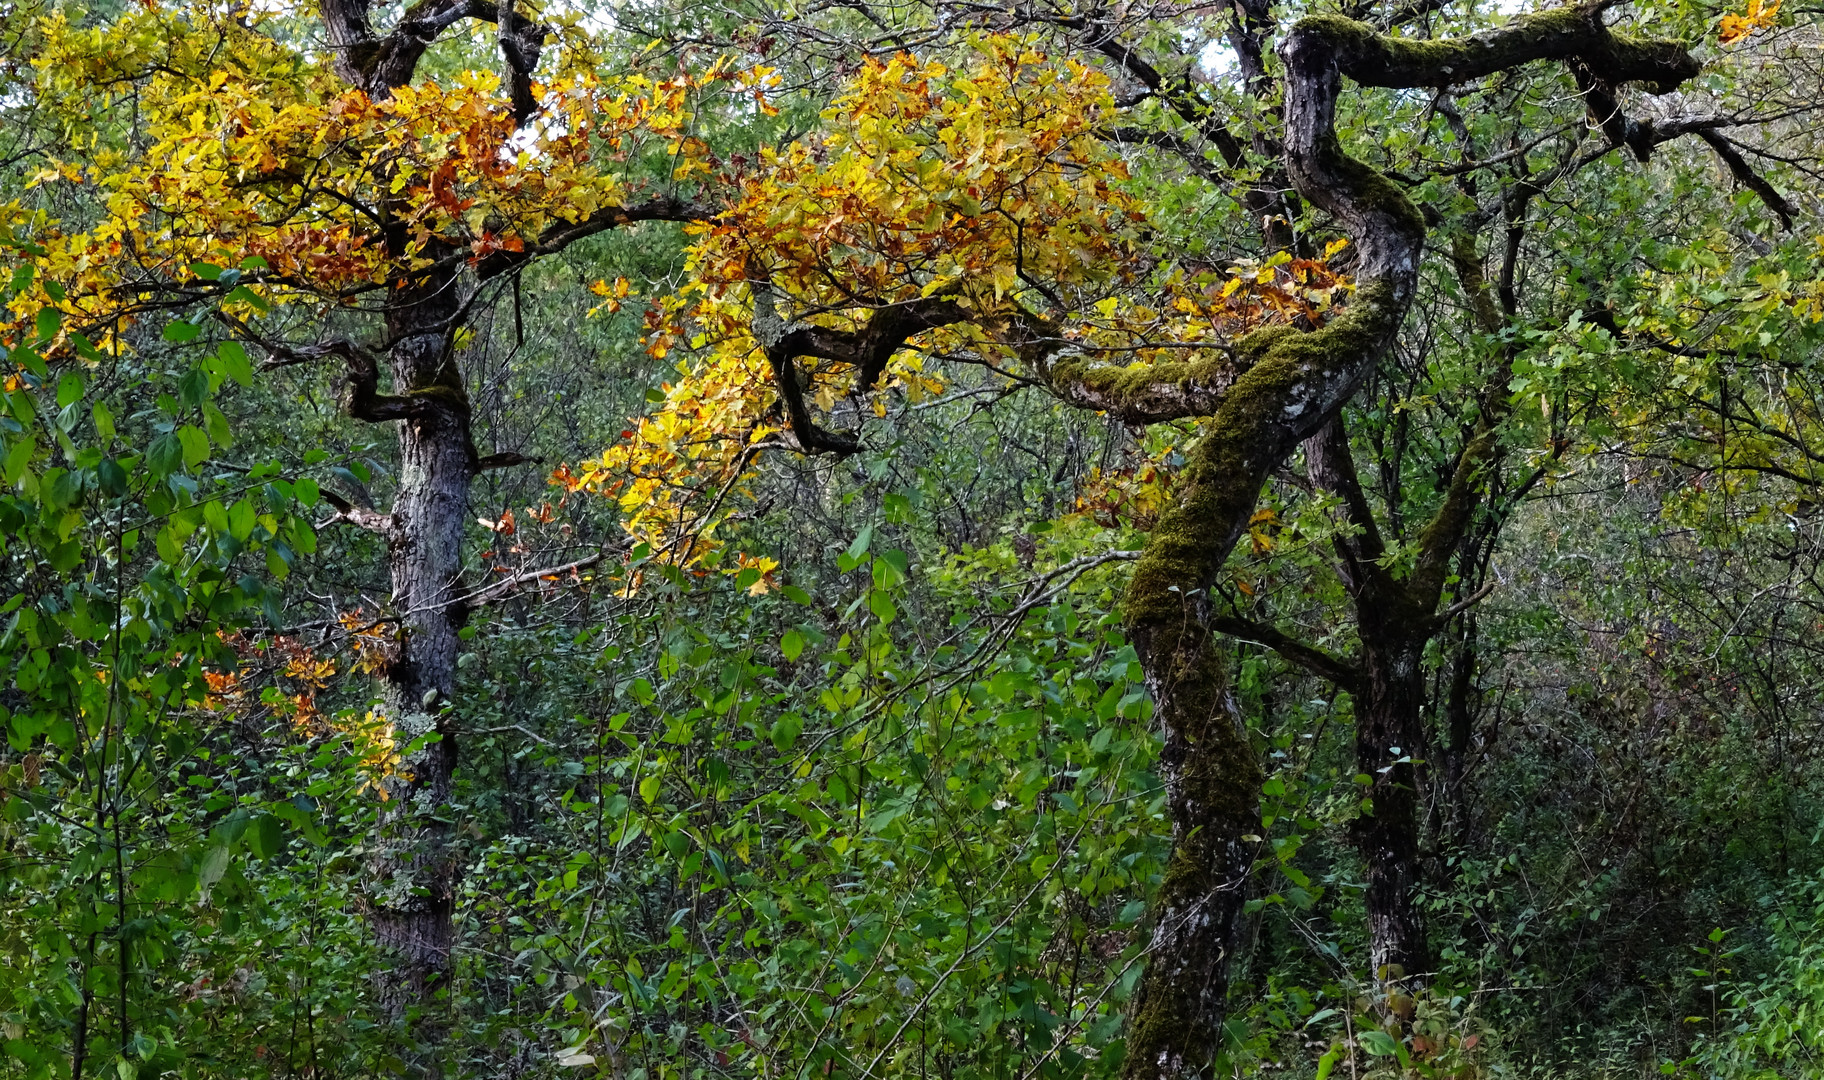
[(1345, 674), (559, 237), (499, 590), (505, 461), (1746, 176), (360, 516), (1466, 603)]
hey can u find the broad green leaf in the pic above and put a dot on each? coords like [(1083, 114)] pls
[(195, 444), (234, 362), (1378, 1043)]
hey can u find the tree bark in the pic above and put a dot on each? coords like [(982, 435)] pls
[(1212, 783), (1389, 719), (1393, 623), (415, 867)]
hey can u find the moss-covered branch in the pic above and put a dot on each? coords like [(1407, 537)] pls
[(1574, 33)]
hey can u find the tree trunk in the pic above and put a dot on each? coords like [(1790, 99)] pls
[(1212, 783), (1388, 728), (1388, 689), (1459, 729), (415, 866)]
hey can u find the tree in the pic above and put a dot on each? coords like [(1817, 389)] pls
[(1278, 387), (972, 216), (265, 174)]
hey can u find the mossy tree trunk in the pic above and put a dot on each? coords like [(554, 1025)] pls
[(1282, 388)]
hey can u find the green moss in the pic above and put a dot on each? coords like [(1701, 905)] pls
[(1129, 385), (1226, 468), (1375, 59), (1212, 777), (1213, 782), (1341, 32), (1255, 344), (453, 396), (1377, 193)]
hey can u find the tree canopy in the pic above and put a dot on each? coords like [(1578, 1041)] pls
[(857, 540)]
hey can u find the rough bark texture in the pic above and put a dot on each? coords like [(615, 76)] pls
[(1393, 624), (415, 866)]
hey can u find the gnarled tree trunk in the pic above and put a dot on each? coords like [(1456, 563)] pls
[(1290, 386)]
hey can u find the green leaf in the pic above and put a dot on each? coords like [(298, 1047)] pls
[(217, 424), (104, 420), (206, 271), (66, 556), (69, 390), (785, 731), (66, 489), (170, 548), (195, 445), (28, 358), (111, 477), (860, 545), (1378, 1043), (241, 294), (193, 387), (241, 520), (234, 362), (791, 644), (649, 788), (214, 864), (86, 348), (19, 458), (179, 331), (898, 561), (266, 836), (1326, 1064), (49, 319)]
